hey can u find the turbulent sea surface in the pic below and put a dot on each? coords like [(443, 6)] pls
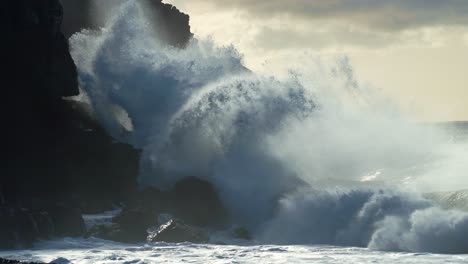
[(101, 252)]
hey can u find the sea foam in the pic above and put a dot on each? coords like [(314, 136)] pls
[(308, 158)]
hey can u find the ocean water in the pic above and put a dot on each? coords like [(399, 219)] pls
[(104, 252), (314, 162)]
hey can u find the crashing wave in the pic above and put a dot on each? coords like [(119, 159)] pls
[(275, 149)]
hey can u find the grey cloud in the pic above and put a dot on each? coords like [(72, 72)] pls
[(386, 15), (271, 38)]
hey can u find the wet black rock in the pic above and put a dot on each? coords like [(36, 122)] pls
[(21, 227), (130, 226), (193, 200), (176, 231), (57, 161), (197, 202)]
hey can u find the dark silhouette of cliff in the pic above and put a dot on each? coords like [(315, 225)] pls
[(169, 23), (55, 156)]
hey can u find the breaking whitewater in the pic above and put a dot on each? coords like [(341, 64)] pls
[(313, 162)]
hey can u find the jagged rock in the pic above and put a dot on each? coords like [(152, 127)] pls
[(171, 25), (176, 231), (130, 226), (133, 224), (52, 150), (114, 232), (197, 202), (191, 199), (21, 227)]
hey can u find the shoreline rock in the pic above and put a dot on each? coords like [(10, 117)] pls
[(58, 161)]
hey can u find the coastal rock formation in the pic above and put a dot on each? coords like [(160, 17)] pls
[(170, 24), (192, 204), (21, 227), (56, 159), (176, 231), (53, 150)]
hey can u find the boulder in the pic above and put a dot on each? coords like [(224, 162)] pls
[(130, 226), (176, 231), (112, 232), (197, 202)]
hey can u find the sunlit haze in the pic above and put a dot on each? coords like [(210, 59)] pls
[(414, 51)]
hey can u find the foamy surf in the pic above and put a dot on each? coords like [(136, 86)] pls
[(105, 252)]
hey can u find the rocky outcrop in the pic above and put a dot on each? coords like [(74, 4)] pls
[(130, 226), (51, 150), (191, 199), (171, 25), (57, 161), (21, 227), (176, 231), (192, 205)]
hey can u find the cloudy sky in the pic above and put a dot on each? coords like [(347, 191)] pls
[(413, 50)]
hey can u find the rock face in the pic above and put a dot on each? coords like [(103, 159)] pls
[(176, 231), (51, 151), (192, 206), (171, 24), (191, 199), (168, 22), (57, 161), (128, 227), (21, 227), (197, 202)]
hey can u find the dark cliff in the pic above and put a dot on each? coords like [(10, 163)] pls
[(169, 23), (54, 154)]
